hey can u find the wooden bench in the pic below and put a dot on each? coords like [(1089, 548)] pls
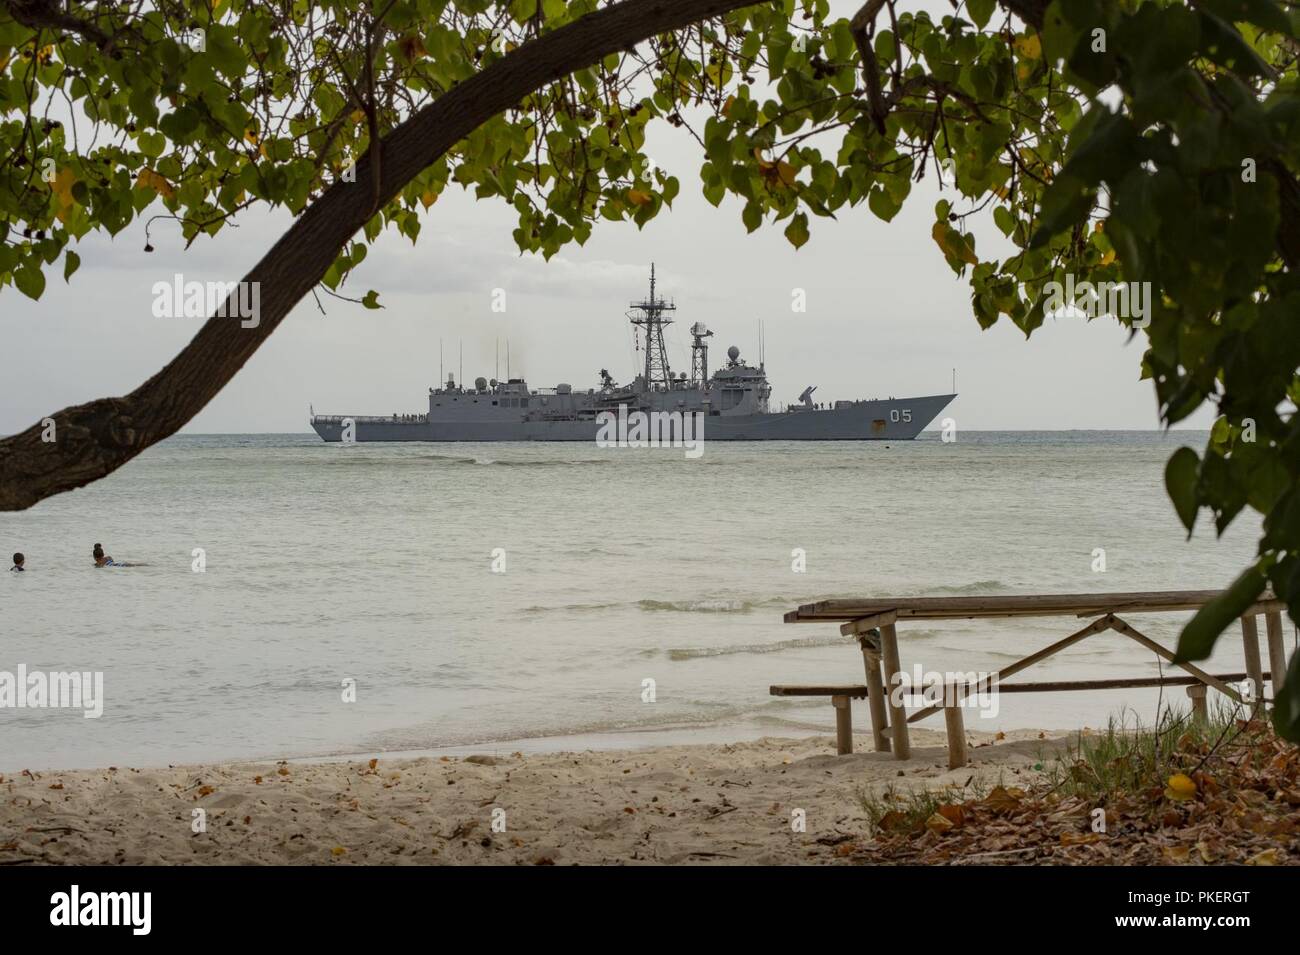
[(840, 697)]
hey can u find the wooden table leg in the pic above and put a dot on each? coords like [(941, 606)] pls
[(843, 725), (875, 696), (1254, 669), (956, 729), (893, 679), (1276, 650)]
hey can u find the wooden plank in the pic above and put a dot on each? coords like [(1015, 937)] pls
[(876, 696), (894, 674), (851, 689), (1276, 650), (1053, 686), (1097, 626), (956, 734), (1200, 705), (1254, 668), (1013, 605), (843, 725), (1124, 628), (874, 622)]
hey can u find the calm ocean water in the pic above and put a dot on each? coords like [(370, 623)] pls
[(373, 563)]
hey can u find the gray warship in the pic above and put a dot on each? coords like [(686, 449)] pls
[(733, 400)]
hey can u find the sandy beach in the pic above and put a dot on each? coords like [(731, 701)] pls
[(720, 804)]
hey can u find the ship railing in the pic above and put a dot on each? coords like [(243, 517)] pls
[(369, 419)]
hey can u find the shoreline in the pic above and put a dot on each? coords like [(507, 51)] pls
[(630, 740), (729, 803)]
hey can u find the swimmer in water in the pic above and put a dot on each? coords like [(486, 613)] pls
[(103, 560), (19, 560)]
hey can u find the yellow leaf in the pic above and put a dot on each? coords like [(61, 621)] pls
[(251, 136), (1180, 788), (428, 198), (639, 198), (151, 180), (357, 115), (1029, 46), (62, 189), (338, 851), (1108, 258), (1176, 853), (1267, 857), (953, 244), (938, 824)]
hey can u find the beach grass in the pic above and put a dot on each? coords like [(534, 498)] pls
[(1130, 756)]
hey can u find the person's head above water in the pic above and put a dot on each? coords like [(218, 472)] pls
[(98, 554), (19, 560)]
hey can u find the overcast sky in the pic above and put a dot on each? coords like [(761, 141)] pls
[(885, 316)]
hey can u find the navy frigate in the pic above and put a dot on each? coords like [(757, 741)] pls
[(734, 401)]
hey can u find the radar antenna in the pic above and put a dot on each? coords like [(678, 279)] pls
[(806, 397), (700, 354), (650, 314)]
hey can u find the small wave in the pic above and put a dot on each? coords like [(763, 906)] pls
[(449, 458), (978, 587), (544, 464), (800, 643), (699, 606), (571, 608)]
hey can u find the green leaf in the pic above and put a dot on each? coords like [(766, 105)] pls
[(30, 280), (1286, 704), (1198, 637), (371, 299), (882, 203), (980, 11), (1180, 482), (71, 262), (1004, 220), (797, 230)]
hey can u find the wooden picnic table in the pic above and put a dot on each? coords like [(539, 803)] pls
[(874, 620)]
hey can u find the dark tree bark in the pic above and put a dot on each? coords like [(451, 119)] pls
[(94, 439)]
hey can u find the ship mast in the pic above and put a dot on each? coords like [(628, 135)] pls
[(651, 314)]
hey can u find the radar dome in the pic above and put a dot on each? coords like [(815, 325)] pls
[(480, 384), (733, 352)]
